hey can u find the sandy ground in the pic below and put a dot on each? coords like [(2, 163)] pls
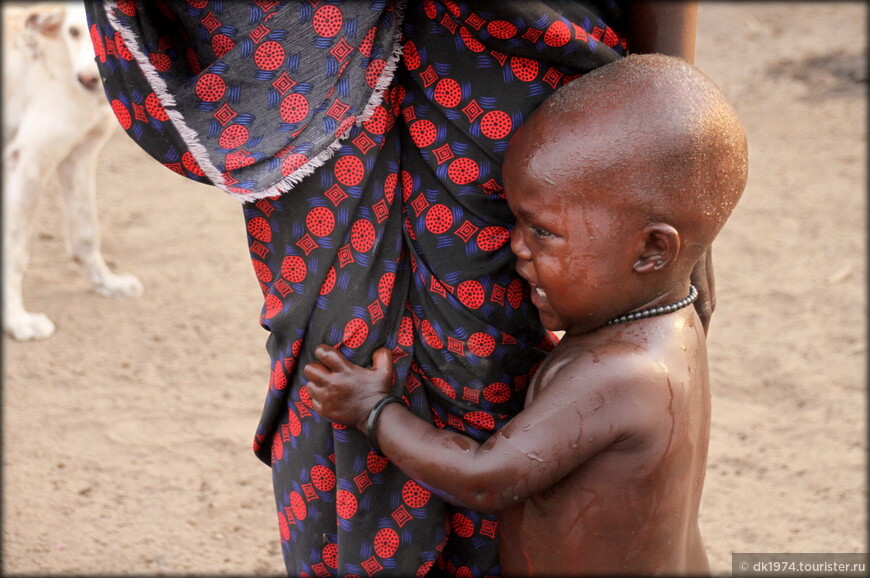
[(126, 436)]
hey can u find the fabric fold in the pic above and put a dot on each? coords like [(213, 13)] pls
[(254, 108)]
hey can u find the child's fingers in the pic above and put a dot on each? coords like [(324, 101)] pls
[(316, 372), (331, 358), (315, 392), (382, 361)]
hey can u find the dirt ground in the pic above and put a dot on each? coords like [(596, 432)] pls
[(126, 436)]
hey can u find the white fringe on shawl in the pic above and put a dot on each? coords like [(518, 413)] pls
[(200, 153), (190, 136)]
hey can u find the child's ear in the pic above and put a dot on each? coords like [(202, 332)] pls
[(658, 248)]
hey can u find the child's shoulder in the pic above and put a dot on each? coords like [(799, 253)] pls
[(587, 364), (617, 357)]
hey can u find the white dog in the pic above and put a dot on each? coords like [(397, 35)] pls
[(55, 121)]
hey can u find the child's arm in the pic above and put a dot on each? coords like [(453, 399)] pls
[(570, 421)]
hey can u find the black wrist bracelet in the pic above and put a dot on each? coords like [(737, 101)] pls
[(373, 420)]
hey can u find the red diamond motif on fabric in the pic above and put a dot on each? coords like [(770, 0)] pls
[(475, 21), (402, 516), (225, 114), (175, 167), (375, 311), (491, 186), (532, 34), (412, 383), (281, 154), (553, 77), (419, 204), (428, 76), (455, 346), (364, 142), (381, 210), (469, 394), (472, 110), (139, 112), (500, 56), (362, 481), (345, 256), (443, 153), (266, 5), (310, 492), (455, 422), (466, 231), (341, 50), (498, 293), (259, 249), (488, 527), (283, 83), (371, 566), (265, 206), (435, 286), (338, 109), (307, 244), (258, 33), (408, 114), (282, 287), (335, 194), (211, 22), (448, 23)]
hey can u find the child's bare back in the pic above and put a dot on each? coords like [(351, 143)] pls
[(643, 416)]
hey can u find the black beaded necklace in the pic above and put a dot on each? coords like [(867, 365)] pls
[(660, 310)]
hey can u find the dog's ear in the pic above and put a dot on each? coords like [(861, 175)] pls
[(46, 21)]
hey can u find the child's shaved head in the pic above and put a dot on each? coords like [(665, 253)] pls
[(650, 132)]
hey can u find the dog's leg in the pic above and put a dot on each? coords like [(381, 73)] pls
[(24, 181), (78, 179)]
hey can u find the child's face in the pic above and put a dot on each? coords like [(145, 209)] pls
[(573, 248)]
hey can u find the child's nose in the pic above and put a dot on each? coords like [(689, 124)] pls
[(518, 244)]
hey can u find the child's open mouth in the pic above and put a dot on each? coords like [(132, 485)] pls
[(538, 295)]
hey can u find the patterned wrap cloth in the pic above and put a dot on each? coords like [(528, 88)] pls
[(375, 217)]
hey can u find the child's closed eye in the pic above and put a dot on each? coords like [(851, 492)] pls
[(540, 232)]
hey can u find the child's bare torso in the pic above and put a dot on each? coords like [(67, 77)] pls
[(634, 506)]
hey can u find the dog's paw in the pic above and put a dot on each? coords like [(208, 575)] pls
[(120, 286), (29, 326)]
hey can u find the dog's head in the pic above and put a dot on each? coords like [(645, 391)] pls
[(67, 22)]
